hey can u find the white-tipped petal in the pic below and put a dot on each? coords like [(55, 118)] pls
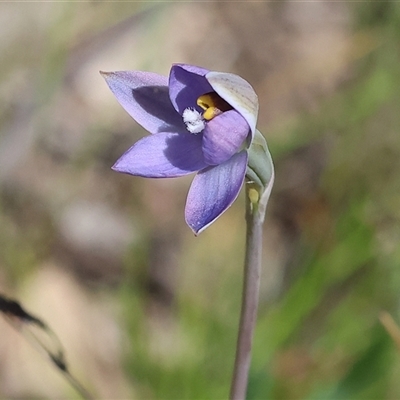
[(238, 93)]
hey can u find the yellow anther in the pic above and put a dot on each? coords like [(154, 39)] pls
[(213, 105), (206, 101), (211, 112)]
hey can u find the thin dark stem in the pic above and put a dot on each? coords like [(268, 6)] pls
[(251, 286)]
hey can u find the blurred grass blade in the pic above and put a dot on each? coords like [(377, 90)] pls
[(41, 337), (391, 327)]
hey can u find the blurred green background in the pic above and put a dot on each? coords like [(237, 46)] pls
[(146, 310)]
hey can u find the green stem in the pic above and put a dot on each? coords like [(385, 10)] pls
[(255, 212)]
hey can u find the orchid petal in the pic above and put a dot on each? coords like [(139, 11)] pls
[(145, 96), (238, 93), (186, 84), (165, 155), (213, 191), (223, 136)]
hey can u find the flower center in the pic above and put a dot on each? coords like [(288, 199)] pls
[(212, 104)]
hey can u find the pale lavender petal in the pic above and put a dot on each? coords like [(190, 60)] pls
[(145, 96), (223, 136), (165, 155), (186, 84), (213, 191), (238, 93)]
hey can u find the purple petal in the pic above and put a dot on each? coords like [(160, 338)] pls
[(186, 84), (213, 191), (165, 155), (145, 96), (223, 136)]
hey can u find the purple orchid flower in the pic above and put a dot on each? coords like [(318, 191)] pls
[(200, 121)]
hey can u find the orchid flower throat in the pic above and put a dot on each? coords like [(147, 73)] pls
[(212, 104)]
